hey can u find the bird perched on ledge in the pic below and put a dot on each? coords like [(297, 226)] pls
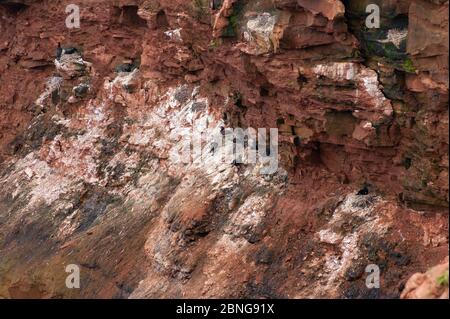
[(363, 191), (70, 50), (59, 51), (126, 67)]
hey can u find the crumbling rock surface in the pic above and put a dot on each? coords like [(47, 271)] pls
[(87, 143), (431, 285)]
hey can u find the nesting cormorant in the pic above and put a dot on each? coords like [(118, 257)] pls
[(59, 51), (70, 50), (363, 191), (126, 67)]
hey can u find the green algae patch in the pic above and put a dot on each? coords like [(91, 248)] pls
[(408, 66)]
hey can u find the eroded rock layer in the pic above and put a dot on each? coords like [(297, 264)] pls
[(86, 142)]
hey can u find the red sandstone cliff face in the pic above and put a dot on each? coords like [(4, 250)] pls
[(85, 151)]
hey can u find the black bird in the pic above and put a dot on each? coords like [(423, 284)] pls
[(70, 50), (363, 191), (126, 67), (59, 51)]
